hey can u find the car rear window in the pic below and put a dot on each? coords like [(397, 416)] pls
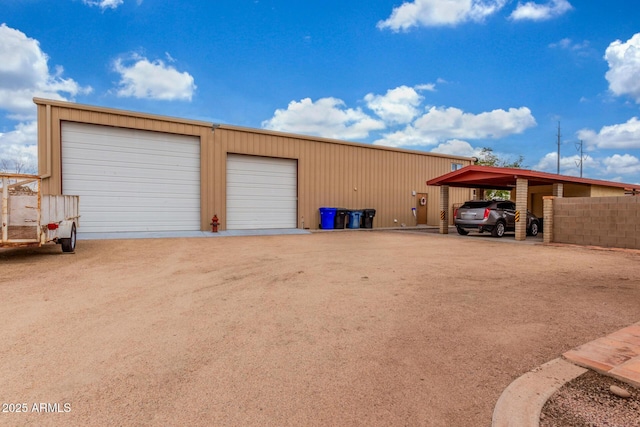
[(475, 204)]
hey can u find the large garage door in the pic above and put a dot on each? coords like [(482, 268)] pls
[(131, 180), (262, 192)]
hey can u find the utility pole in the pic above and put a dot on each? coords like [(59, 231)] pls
[(581, 161), (559, 135)]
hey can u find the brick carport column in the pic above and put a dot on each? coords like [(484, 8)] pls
[(547, 203), (558, 189), (444, 209), (522, 195)]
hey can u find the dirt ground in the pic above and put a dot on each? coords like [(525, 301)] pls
[(337, 328)]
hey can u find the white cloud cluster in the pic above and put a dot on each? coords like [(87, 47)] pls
[(624, 67), (141, 78), (439, 124), (19, 146), (431, 13), (435, 13), (326, 117), (540, 12), (457, 147), (400, 112), (619, 136), (24, 74), (399, 105), (569, 44), (104, 4), (616, 165), (625, 164)]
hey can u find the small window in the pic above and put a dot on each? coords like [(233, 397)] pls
[(507, 206), (456, 166), (476, 204)]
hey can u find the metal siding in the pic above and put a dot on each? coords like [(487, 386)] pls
[(132, 180), (328, 170), (328, 174)]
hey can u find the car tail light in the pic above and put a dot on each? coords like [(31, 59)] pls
[(52, 226), (455, 213), (486, 213)]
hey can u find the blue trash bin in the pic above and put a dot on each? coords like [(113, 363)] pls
[(327, 218), (354, 219)]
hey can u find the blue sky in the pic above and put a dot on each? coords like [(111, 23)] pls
[(445, 76)]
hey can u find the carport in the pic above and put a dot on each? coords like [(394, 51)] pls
[(520, 181)]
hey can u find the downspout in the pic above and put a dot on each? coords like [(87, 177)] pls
[(47, 171)]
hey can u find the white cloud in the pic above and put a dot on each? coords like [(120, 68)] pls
[(140, 78), (397, 106), (569, 165), (457, 147), (569, 44), (624, 67), (624, 135), (540, 12), (625, 164), (452, 123), (24, 74), (105, 4), (326, 117), (431, 87), (20, 145), (431, 13)]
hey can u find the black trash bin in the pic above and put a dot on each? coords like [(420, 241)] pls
[(367, 218), (341, 215)]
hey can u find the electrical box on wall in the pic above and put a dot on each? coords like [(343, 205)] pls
[(413, 193)]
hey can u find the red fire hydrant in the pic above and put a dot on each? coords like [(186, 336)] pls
[(214, 224)]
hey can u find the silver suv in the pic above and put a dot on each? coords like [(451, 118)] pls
[(495, 216)]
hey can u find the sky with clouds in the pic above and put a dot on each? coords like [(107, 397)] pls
[(447, 76)]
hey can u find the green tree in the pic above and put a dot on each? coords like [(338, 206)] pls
[(488, 158)]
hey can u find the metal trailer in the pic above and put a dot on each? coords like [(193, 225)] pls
[(30, 218)]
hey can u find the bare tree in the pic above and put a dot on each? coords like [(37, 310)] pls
[(16, 165)]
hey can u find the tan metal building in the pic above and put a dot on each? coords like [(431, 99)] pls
[(142, 172)]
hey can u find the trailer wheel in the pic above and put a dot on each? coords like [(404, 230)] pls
[(69, 245)]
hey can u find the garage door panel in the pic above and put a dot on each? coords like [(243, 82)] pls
[(132, 180), (261, 192), (136, 188), (251, 221), (258, 192), (263, 205), (102, 162)]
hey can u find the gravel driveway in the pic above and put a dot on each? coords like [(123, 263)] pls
[(343, 328)]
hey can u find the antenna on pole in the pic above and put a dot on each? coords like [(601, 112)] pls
[(559, 135), (581, 161)]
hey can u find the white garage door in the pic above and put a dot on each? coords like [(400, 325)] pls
[(131, 180), (262, 192)]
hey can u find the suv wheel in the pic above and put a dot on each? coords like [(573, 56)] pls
[(462, 231), (498, 229), (533, 230)]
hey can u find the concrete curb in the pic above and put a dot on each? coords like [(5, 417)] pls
[(521, 403)]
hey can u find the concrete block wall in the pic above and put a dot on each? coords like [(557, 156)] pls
[(598, 221)]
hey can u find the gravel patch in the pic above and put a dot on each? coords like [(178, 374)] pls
[(588, 401)]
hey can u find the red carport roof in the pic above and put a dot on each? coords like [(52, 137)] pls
[(476, 176)]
